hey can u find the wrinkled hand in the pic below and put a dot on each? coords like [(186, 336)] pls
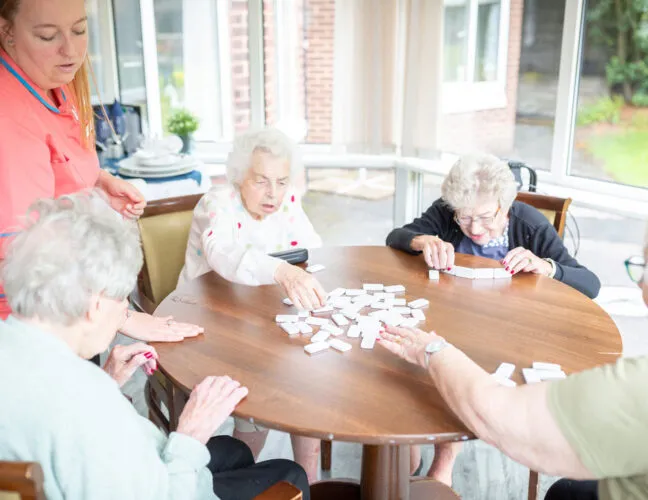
[(124, 360), (123, 197), (301, 287), (209, 405), (142, 326), (521, 259), (437, 253), (407, 343)]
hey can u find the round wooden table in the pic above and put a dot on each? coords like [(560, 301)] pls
[(371, 396)]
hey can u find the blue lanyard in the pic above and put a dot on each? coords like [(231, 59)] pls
[(30, 88)]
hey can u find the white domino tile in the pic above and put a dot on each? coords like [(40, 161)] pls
[(450, 271), (323, 310), (315, 268), (368, 342), (395, 288), (287, 301), (354, 331), (433, 274), (406, 311), (464, 272), (316, 321), (501, 273), (340, 345), (304, 328), (505, 370), (484, 274), (373, 287), (550, 374), (531, 376), (286, 318), (338, 292), (341, 302), (354, 292), (303, 314), (380, 305), (539, 365), (418, 314), (316, 347), (384, 295), (290, 328), (399, 302), (320, 336), (349, 313), (340, 319), (332, 329), (419, 303), (393, 320), (409, 322)]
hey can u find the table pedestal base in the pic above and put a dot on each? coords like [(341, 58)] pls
[(385, 476)]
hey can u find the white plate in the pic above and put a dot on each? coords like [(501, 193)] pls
[(129, 164), (146, 174)]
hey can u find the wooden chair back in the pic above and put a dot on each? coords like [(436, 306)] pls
[(553, 208), (21, 481), (164, 229)]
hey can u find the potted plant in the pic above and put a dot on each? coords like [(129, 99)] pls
[(183, 124)]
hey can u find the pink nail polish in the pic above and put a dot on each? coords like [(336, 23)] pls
[(512, 272), (448, 269), (507, 268), (148, 355)]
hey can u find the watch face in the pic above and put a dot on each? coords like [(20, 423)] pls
[(435, 346)]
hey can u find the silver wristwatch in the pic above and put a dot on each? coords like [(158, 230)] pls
[(432, 347)]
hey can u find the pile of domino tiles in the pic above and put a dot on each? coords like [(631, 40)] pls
[(353, 314), (539, 372)]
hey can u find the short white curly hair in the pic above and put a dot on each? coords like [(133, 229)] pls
[(73, 248), (478, 176), (269, 140)]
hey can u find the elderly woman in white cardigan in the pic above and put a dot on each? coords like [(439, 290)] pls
[(67, 278), (236, 228)]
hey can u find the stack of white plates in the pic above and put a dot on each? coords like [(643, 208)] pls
[(157, 168), (158, 158)]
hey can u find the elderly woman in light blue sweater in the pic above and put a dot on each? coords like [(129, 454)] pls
[(67, 278)]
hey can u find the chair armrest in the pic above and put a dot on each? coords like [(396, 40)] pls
[(280, 491)]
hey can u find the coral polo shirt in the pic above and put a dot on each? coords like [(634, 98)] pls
[(41, 155)]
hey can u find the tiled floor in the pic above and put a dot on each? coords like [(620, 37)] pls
[(481, 472)]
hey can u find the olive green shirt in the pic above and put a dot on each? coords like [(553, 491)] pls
[(603, 414)]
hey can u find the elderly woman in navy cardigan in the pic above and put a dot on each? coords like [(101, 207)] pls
[(477, 214)]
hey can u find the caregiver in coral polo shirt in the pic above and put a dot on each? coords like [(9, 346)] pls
[(47, 145)]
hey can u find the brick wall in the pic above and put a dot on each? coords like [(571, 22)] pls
[(240, 64), (490, 131), (320, 19)]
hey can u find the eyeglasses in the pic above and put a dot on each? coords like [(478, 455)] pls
[(636, 267), (482, 221)]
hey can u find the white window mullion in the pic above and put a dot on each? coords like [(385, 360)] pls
[(473, 10), (502, 56), (257, 77), (151, 73), (225, 77)]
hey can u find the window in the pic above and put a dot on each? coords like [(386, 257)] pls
[(475, 54), (203, 63), (130, 58)]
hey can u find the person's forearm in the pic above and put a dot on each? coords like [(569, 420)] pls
[(401, 238), (104, 176), (580, 278), (465, 387), (516, 421)]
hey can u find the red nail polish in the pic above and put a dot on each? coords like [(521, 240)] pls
[(507, 268), (512, 272), (448, 269), (148, 355)]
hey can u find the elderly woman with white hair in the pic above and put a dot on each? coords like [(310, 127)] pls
[(477, 215), (67, 279), (236, 228)]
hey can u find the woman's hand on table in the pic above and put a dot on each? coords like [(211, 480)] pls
[(407, 343), (142, 326), (209, 405), (438, 254), (124, 360), (123, 197), (522, 260), (301, 287)]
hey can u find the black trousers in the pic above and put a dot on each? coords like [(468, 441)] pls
[(237, 477), (568, 489)]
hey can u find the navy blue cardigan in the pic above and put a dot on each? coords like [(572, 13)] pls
[(528, 228)]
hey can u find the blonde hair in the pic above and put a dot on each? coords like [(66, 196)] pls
[(475, 176), (79, 86)]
